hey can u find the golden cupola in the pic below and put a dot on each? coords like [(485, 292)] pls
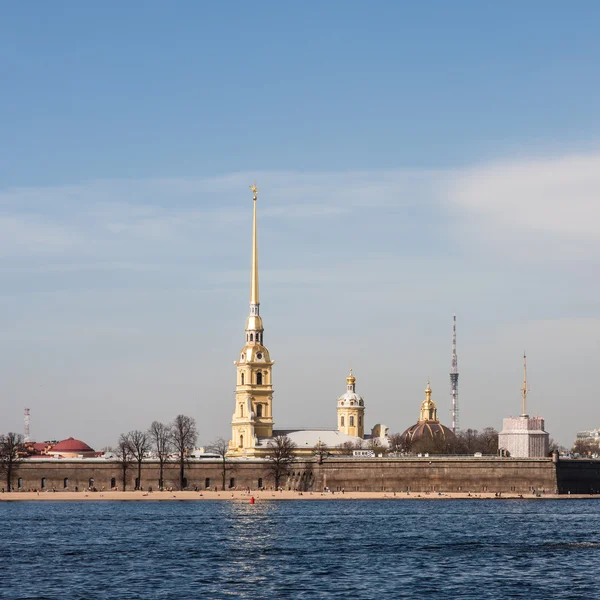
[(428, 408)]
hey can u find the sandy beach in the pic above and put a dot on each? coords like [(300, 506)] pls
[(267, 495)]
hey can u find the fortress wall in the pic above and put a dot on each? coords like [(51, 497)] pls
[(440, 475), (414, 474), (578, 476)]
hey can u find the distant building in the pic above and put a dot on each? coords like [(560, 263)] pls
[(71, 448), (524, 436), (592, 436)]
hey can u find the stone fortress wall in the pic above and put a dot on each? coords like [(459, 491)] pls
[(447, 474)]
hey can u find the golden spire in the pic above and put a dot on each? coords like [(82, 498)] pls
[(254, 276), (524, 389)]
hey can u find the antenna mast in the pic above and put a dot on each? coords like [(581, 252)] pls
[(27, 420), (524, 389), (454, 381)]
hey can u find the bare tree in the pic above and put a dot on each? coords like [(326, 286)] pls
[(183, 438), (585, 447), (139, 444), (320, 451), (220, 446), (160, 438), (488, 441), (398, 443), (554, 446), (124, 457), (346, 448), (10, 444), (281, 456), (375, 445)]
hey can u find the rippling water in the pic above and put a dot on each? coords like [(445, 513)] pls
[(321, 549)]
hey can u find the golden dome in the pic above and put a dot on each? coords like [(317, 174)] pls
[(350, 380)]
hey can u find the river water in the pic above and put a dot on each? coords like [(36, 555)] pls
[(300, 549)]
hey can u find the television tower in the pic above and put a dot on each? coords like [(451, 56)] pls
[(27, 417), (524, 389), (454, 381)]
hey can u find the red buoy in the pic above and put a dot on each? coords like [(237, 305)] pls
[(251, 499)]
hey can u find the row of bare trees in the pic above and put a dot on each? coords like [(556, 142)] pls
[(164, 441)]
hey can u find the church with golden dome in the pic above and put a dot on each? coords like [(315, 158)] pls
[(428, 428), (252, 423)]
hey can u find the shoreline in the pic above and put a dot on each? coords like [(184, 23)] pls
[(269, 495)]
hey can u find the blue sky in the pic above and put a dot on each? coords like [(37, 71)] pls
[(413, 161)]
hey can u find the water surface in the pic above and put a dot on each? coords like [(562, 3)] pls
[(294, 549)]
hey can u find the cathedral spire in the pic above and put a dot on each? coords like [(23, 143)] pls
[(254, 277), (254, 325)]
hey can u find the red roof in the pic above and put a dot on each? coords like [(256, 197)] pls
[(71, 445)]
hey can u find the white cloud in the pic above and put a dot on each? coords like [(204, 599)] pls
[(537, 208)]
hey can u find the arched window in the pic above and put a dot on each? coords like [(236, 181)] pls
[(242, 378), (66, 482), (231, 482), (260, 484), (91, 482), (207, 483), (251, 337), (20, 483), (113, 482), (342, 420), (43, 483), (259, 378), (241, 410), (259, 410), (241, 441), (351, 421)]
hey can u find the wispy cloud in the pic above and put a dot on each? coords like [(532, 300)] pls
[(540, 208)]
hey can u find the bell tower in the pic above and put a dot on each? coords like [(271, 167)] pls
[(351, 410), (253, 415)]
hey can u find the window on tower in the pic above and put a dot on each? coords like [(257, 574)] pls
[(259, 378), (351, 421), (242, 378), (342, 420), (360, 421), (251, 337), (259, 410)]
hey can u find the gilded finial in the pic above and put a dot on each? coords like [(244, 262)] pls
[(254, 191), (351, 379)]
